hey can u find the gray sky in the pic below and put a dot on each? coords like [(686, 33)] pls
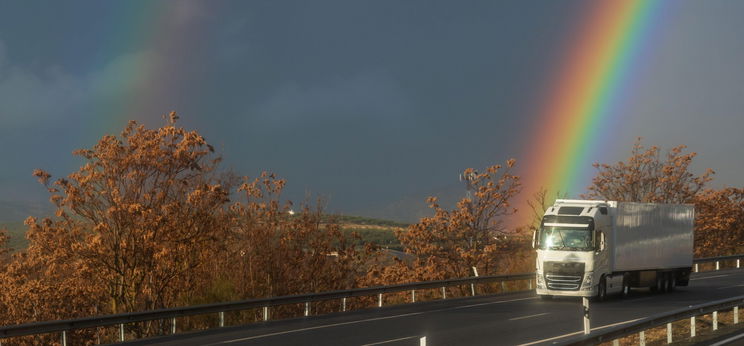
[(365, 102)]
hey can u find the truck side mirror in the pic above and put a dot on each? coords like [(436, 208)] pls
[(534, 238), (602, 243)]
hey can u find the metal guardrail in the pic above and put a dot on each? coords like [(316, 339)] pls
[(172, 313), (617, 332), (221, 308)]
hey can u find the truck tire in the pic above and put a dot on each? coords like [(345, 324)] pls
[(672, 283), (658, 286), (602, 289), (626, 287)]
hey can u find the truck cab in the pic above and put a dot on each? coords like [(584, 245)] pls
[(571, 248)]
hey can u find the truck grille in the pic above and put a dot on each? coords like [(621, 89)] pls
[(564, 276), (563, 282)]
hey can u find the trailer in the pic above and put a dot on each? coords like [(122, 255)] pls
[(589, 248)]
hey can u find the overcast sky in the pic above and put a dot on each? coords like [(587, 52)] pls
[(363, 102)]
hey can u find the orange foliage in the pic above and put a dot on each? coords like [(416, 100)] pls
[(645, 177), (719, 222), (452, 242), (146, 223)]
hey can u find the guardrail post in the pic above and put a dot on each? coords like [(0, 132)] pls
[(64, 338), (222, 319), (503, 288), (737, 262), (307, 308), (718, 265), (413, 296), (266, 313), (736, 314), (444, 293), (696, 268), (343, 304), (529, 285), (692, 326), (585, 305), (669, 333), (642, 338), (715, 320), (422, 341), (121, 332), (173, 325), (379, 300), (616, 342)]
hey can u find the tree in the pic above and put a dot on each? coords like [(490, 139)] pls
[(645, 177), (452, 242), (132, 227), (719, 222)]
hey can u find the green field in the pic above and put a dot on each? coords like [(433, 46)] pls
[(380, 232)]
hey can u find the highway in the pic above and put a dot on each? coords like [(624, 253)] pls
[(510, 319)]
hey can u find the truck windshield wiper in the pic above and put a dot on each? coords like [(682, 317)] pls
[(562, 242)]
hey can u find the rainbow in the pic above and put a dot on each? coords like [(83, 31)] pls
[(144, 62), (586, 95)]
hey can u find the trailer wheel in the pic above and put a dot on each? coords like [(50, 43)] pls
[(672, 284), (626, 286), (658, 286)]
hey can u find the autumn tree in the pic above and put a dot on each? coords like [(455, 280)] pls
[(538, 203), (647, 177), (132, 227), (451, 242), (272, 250), (719, 222)]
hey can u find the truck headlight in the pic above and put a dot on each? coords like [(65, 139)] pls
[(540, 281), (587, 284)]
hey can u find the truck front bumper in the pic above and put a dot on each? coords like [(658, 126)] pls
[(577, 293)]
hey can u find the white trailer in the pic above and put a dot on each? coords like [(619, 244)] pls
[(591, 248)]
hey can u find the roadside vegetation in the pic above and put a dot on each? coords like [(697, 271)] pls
[(152, 221)]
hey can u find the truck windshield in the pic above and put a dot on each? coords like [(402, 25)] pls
[(566, 238)]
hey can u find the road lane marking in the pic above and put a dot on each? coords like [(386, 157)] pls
[(723, 342), (709, 277), (530, 316), (366, 320), (579, 332), (723, 288), (393, 340)]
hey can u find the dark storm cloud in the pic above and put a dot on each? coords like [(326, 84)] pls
[(370, 103)]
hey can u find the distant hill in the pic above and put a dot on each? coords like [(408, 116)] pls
[(411, 208), (12, 211), (370, 230), (16, 231)]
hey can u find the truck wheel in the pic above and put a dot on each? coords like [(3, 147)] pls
[(672, 283), (659, 284), (626, 287), (602, 289)]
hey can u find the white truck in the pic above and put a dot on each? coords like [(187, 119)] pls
[(589, 248)]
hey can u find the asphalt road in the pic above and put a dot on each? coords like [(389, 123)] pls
[(511, 319)]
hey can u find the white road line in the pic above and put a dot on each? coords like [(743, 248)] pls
[(530, 316), (367, 320), (723, 288), (393, 340), (709, 277), (579, 332), (723, 342)]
